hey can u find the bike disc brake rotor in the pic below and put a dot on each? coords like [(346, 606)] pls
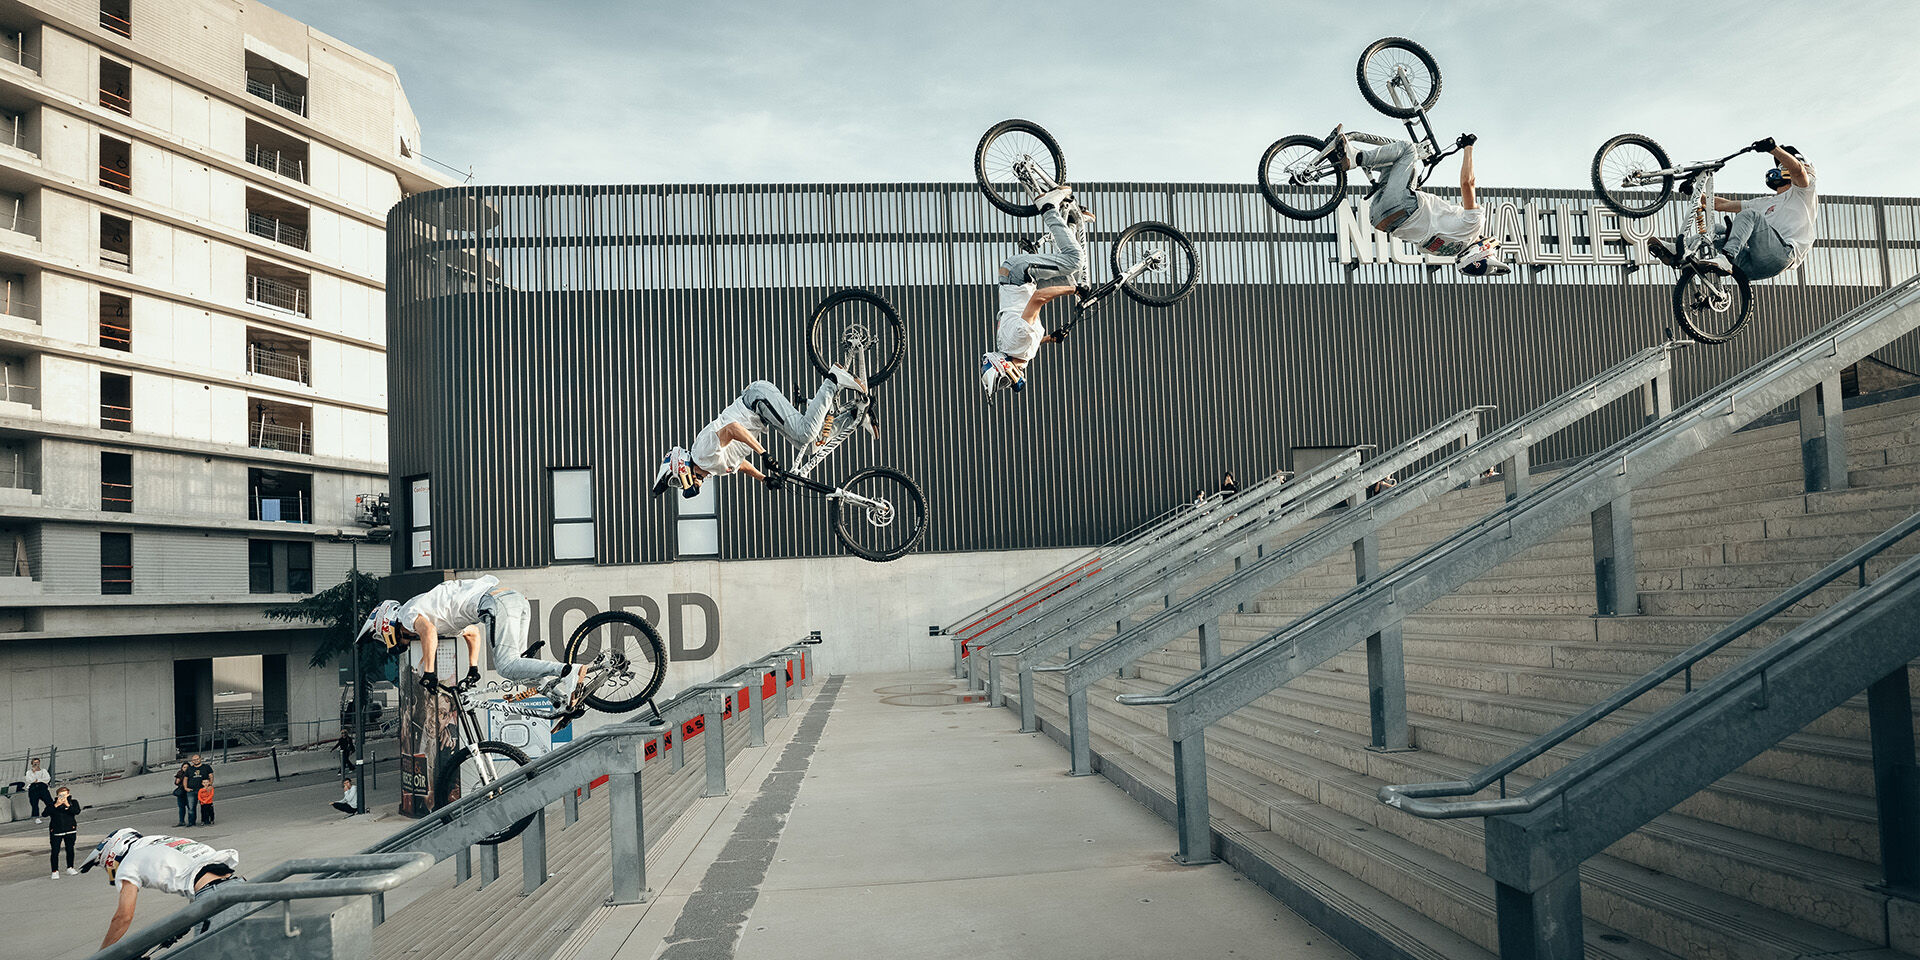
[(857, 336), (880, 514)]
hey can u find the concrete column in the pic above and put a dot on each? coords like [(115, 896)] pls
[(1517, 472), (1542, 925), (1190, 800), (462, 866), (1896, 780), (533, 853), (1823, 444), (1616, 587), (1079, 737), (489, 857), (715, 735), (1210, 643), (1029, 716), (570, 808)]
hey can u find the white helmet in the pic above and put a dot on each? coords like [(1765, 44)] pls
[(1482, 259), (676, 469), (380, 623), (111, 851)]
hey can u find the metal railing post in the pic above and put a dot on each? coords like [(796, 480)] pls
[(570, 808), (1386, 661), (1210, 643), (1544, 924), (489, 857), (1896, 779), (1029, 715), (1616, 587), (1517, 472), (780, 688), (1823, 443), (756, 720), (996, 694), (533, 853), (1079, 737), (625, 823), (1190, 799), (714, 732), (1657, 395), (462, 866)]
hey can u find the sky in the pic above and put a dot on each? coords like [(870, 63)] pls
[(646, 91)]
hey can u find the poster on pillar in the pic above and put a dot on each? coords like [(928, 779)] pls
[(429, 728)]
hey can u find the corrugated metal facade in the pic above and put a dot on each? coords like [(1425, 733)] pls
[(533, 328)]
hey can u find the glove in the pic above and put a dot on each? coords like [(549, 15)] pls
[(1059, 336), (1764, 145), (772, 479), (1467, 140), (429, 680), (473, 677)]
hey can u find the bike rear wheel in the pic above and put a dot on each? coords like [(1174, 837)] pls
[(1622, 156), (1297, 182), (638, 663), (856, 319), (1711, 309), (1381, 70), (1179, 269), (460, 776), (1006, 143), (881, 534)]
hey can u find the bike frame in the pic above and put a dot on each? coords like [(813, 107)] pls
[(1696, 236)]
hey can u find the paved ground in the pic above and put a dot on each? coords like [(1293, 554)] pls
[(267, 822), (900, 822)]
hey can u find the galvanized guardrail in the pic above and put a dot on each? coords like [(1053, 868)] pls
[(1599, 490)]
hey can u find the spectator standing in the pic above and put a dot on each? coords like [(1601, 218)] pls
[(38, 783), (180, 795), (345, 746), (195, 774), (349, 802), (1228, 485), (63, 818)]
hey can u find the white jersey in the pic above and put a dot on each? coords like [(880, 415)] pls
[(159, 862), (1794, 214), (1018, 337), (1440, 226), (38, 776), (718, 458), (451, 607)]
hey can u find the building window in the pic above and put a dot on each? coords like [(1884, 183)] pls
[(275, 286), (272, 355), (116, 322), (279, 566), (269, 149), (573, 514), (276, 84), (278, 220), (697, 532), (419, 522), (280, 426), (13, 214), (116, 86), (279, 496), (16, 123), (116, 402), (117, 16), (15, 299), (116, 482), (116, 242), (116, 164), (18, 46), (116, 563)]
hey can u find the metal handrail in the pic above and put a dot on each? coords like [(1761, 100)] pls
[(117, 24), (1724, 402), (279, 294), (116, 179), (274, 363), (275, 161), (117, 102), (277, 95), (16, 52), (1417, 798), (377, 873), (276, 229)]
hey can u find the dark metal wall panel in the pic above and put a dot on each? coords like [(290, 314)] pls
[(533, 328)]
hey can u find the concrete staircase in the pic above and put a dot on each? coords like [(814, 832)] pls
[(1776, 861)]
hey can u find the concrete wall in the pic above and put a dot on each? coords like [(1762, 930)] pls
[(873, 616)]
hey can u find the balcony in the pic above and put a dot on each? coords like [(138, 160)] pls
[(115, 416), (13, 50), (276, 496), (284, 364), (16, 395), (277, 230), (269, 292), (116, 497), (278, 161), (16, 223), (293, 509), (116, 86), (278, 95), (117, 18), (116, 101)]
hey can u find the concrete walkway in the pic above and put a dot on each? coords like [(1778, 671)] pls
[(901, 821)]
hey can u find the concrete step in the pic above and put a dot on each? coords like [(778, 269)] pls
[(1670, 909)]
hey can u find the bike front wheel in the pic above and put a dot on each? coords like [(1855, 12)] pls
[(1298, 181), (890, 527), (1398, 77), (1712, 309), (1174, 268), (461, 776), (636, 659), (1006, 145), (857, 323), (1627, 156)]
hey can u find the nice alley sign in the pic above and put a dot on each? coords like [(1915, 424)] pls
[(1538, 233)]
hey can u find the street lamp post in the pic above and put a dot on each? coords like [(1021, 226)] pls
[(359, 698)]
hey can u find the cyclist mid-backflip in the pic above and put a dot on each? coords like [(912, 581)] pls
[(1768, 235), (459, 607), (729, 444), (1028, 280), (176, 865), (1433, 224)]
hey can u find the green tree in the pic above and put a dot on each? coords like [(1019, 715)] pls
[(334, 608)]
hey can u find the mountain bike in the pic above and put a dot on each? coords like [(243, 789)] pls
[(1634, 178), (626, 663), (1300, 175), (1153, 262), (879, 513)]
